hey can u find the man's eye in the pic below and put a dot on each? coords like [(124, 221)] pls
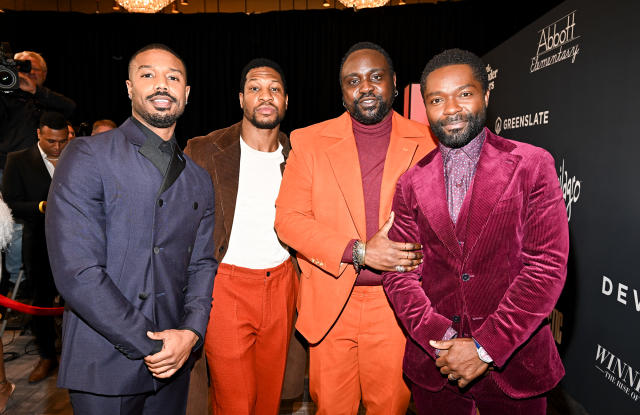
[(275, 89), (435, 101), (354, 81), (376, 77), (466, 94), (173, 78), (146, 75)]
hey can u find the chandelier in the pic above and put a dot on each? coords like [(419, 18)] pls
[(144, 6), (363, 4)]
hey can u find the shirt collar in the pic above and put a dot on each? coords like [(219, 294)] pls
[(150, 135), (471, 149)]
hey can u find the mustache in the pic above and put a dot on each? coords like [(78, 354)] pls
[(163, 94), (369, 94), (266, 104), (453, 119)]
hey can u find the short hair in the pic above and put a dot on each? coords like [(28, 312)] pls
[(53, 120), (100, 123), (33, 55), (456, 57), (261, 63), (365, 45), (157, 46)]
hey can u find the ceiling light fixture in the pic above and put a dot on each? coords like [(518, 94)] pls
[(144, 6), (363, 4)]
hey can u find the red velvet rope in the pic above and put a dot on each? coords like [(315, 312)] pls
[(28, 309)]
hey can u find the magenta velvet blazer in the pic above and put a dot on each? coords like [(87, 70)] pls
[(503, 283)]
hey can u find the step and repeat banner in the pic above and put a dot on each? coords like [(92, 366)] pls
[(570, 83)]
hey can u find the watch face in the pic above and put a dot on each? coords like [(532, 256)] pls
[(484, 356)]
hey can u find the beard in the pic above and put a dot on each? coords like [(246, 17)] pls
[(264, 124), (163, 119), (374, 115), (460, 137)]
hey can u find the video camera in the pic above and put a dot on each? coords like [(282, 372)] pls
[(9, 68)]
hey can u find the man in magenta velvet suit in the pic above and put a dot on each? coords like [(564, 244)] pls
[(490, 216)]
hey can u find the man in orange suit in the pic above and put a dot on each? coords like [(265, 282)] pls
[(334, 209)]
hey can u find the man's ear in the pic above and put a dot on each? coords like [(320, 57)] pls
[(241, 99), (129, 86), (486, 98)]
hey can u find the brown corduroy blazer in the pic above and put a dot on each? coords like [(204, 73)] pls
[(219, 154)]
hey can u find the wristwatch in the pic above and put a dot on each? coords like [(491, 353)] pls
[(482, 354)]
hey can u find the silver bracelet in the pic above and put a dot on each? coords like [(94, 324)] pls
[(358, 253)]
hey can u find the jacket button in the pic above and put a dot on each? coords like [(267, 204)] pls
[(268, 273), (143, 296), (455, 319), (465, 277), (221, 248), (160, 202), (195, 205), (156, 250), (189, 249)]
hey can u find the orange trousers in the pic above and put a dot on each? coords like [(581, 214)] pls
[(360, 359), (248, 336)]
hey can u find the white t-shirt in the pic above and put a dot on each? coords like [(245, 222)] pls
[(253, 242)]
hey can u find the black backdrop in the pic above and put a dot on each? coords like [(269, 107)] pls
[(585, 112), (87, 54)]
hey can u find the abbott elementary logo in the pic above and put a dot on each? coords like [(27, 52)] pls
[(520, 121), (556, 43), (618, 372)]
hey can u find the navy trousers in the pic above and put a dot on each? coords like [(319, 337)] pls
[(171, 399)]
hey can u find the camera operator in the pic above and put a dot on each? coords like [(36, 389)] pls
[(20, 110)]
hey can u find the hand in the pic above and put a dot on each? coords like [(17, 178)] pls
[(26, 83), (458, 359), (385, 255), (176, 347)]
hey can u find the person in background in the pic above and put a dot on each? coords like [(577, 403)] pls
[(25, 183), (101, 126), (6, 230)]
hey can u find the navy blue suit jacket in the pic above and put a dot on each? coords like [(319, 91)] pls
[(131, 251)]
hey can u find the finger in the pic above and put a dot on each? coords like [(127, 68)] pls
[(441, 344), (462, 383), (163, 363), (158, 357), (161, 369), (155, 336), (387, 225), (166, 374)]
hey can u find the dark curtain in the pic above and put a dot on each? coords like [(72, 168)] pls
[(87, 55)]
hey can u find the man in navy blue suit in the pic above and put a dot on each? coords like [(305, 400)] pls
[(129, 224)]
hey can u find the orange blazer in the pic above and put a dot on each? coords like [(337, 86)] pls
[(320, 209)]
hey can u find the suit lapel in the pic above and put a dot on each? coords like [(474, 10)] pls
[(226, 166), (39, 168), (401, 152), (495, 170), (343, 158), (176, 165), (432, 199)]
